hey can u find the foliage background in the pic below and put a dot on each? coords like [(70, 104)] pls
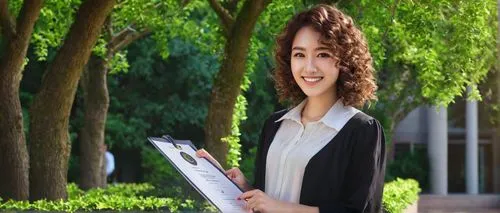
[(425, 52)]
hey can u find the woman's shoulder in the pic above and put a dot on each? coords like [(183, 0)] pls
[(276, 115), (363, 120)]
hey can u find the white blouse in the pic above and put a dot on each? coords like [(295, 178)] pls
[(294, 145)]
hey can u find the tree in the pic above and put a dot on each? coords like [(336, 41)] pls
[(96, 104), (237, 27), (163, 20), (15, 39), (158, 15), (49, 139), (425, 52)]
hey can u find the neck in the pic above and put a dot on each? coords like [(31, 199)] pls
[(317, 106)]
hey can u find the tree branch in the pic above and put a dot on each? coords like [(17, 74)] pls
[(125, 37), (129, 38), (108, 27), (117, 38), (7, 25), (28, 15), (224, 15)]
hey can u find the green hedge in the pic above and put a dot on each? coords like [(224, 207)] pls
[(398, 195), (117, 197)]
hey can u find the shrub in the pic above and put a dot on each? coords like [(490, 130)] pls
[(116, 197), (412, 165), (399, 194)]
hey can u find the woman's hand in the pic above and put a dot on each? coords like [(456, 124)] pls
[(202, 153), (258, 201), (234, 174), (238, 177)]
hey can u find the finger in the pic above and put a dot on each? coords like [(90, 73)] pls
[(247, 207), (251, 203), (209, 157), (201, 153), (229, 171), (254, 205), (249, 194), (236, 170)]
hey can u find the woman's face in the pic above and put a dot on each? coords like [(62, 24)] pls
[(314, 66)]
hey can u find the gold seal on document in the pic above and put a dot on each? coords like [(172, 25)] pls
[(188, 158)]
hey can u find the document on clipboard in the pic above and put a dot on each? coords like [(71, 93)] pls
[(205, 177)]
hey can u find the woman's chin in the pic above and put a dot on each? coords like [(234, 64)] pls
[(318, 93), (312, 94)]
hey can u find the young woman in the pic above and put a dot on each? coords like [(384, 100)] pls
[(323, 155)]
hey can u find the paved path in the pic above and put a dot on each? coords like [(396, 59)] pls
[(468, 210), (459, 203)]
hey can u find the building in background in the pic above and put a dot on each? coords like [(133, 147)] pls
[(442, 135)]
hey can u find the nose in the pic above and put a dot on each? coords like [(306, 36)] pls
[(310, 66)]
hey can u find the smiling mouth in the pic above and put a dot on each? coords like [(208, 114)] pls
[(312, 79)]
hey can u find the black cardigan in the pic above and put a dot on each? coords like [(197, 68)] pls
[(347, 175)]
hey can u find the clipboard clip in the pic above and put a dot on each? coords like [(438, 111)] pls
[(171, 140)]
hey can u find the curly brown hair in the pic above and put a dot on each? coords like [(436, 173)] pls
[(356, 83)]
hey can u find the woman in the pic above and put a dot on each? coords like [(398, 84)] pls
[(323, 155)]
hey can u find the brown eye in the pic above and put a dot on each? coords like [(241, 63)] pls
[(324, 55), (300, 55)]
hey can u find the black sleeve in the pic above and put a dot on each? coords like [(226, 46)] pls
[(363, 185), (259, 169)]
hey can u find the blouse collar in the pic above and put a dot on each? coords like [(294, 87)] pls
[(336, 117)]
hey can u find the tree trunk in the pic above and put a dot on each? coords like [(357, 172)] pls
[(49, 139), (496, 100), (227, 83), (96, 104), (103, 173), (397, 117), (13, 153)]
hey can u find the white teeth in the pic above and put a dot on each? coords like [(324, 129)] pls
[(312, 79)]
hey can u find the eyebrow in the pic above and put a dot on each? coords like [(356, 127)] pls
[(317, 48)]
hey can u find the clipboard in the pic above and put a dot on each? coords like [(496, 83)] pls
[(215, 194)]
